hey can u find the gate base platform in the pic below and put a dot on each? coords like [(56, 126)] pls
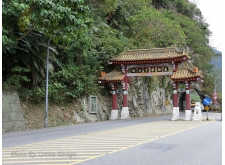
[(125, 113)]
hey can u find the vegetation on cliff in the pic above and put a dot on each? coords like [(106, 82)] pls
[(83, 36)]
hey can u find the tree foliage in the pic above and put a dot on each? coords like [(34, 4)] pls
[(83, 36), (48, 17), (151, 28)]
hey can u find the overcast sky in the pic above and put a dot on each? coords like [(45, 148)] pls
[(212, 11)]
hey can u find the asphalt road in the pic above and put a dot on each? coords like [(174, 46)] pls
[(198, 146), (142, 141), (32, 136)]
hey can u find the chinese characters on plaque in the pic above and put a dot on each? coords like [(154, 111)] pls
[(150, 69)]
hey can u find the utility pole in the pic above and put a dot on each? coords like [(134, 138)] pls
[(46, 91)]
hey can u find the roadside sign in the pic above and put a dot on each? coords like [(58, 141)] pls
[(206, 101), (215, 102), (206, 108), (214, 95)]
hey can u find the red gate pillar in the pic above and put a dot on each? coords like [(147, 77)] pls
[(125, 112), (125, 92), (114, 98), (175, 102), (114, 111), (175, 95), (188, 111)]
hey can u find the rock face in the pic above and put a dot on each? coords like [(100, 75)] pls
[(144, 101)]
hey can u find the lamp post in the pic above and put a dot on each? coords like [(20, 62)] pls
[(46, 91)]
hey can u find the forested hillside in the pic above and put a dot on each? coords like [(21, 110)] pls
[(83, 35), (217, 72)]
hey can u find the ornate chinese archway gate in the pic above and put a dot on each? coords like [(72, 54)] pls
[(143, 62)]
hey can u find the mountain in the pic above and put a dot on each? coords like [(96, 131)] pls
[(217, 52), (217, 62), (217, 59)]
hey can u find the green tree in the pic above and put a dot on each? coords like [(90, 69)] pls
[(48, 17), (150, 27), (28, 25)]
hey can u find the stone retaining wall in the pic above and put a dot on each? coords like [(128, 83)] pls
[(12, 115)]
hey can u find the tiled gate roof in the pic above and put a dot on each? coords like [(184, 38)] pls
[(186, 71), (150, 55), (112, 77)]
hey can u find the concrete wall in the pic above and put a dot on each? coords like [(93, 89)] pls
[(12, 115)]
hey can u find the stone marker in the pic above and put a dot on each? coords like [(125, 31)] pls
[(197, 112)]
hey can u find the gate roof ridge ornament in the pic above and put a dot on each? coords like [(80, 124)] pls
[(154, 50)]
